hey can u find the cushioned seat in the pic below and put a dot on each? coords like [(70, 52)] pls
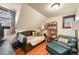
[(61, 44), (58, 49)]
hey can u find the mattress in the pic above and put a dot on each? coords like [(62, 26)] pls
[(35, 39)]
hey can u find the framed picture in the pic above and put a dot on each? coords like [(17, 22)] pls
[(67, 20)]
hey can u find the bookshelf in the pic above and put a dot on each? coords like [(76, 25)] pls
[(51, 28)]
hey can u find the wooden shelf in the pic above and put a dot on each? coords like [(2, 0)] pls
[(51, 28)]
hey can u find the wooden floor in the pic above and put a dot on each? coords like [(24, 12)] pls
[(39, 50)]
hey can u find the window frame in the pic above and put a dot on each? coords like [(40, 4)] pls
[(65, 18)]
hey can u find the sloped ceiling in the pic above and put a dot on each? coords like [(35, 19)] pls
[(29, 18), (45, 8)]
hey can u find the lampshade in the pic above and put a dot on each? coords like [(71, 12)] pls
[(75, 25)]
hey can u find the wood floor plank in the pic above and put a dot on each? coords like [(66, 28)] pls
[(39, 50)]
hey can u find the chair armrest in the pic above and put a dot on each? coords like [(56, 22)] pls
[(72, 44)]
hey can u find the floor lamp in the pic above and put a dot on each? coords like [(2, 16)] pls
[(75, 27)]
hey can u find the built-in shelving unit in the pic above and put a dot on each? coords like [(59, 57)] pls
[(51, 28)]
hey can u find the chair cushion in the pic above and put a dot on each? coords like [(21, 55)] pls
[(56, 49), (61, 44)]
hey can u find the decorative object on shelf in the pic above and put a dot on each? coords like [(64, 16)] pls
[(75, 27), (67, 20)]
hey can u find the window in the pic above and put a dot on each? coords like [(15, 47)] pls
[(7, 18), (67, 20)]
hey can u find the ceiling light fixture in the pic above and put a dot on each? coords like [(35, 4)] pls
[(55, 6)]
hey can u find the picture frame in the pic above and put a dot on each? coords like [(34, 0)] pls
[(67, 20)]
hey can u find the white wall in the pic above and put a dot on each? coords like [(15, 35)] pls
[(77, 18), (62, 31), (13, 6), (29, 18), (77, 14)]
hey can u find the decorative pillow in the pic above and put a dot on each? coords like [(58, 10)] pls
[(20, 38), (37, 34), (64, 40), (33, 33)]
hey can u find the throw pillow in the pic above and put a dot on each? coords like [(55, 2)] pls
[(64, 40), (20, 38)]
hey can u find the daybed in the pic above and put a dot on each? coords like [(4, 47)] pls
[(27, 41)]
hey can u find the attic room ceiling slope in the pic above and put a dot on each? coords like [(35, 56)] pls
[(45, 8)]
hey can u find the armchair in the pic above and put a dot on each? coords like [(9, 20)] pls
[(62, 48)]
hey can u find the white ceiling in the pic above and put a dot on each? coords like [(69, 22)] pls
[(45, 8)]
